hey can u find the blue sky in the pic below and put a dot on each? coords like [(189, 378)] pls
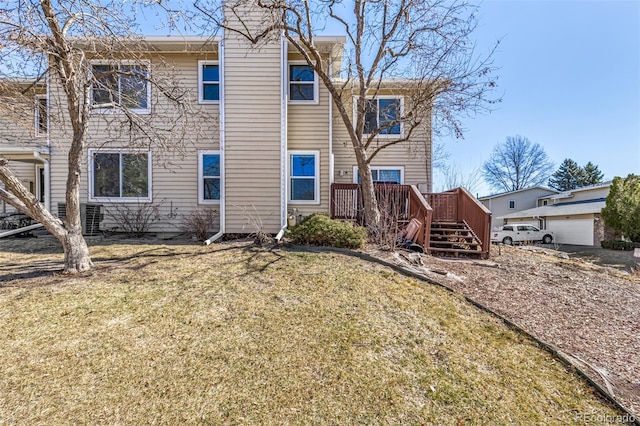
[(569, 78)]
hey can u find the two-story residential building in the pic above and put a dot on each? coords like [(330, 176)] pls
[(573, 216), (261, 137), (506, 203), (24, 136)]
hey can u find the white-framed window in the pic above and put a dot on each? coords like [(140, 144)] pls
[(382, 174), (303, 83), (41, 116), (209, 177), (384, 113), (119, 175), (40, 182), (512, 204), (121, 85), (208, 82), (304, 177)]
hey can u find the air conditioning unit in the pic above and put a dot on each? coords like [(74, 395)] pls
[(90, 216)]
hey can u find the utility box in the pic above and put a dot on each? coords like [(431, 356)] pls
[(90, 216)]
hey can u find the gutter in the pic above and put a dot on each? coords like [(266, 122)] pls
[(221, 232)]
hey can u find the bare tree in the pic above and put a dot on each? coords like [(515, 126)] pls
[(516, 164), (57, 40), (454, 177), (420, 49)]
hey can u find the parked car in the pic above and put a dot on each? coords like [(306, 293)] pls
[(522, 232)]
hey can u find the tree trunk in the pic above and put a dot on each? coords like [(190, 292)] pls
[(76, 253), (371, 210)]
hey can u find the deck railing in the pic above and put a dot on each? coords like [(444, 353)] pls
[(399, 202), (458, 205)]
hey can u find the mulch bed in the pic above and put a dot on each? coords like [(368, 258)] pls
[(588, 311)]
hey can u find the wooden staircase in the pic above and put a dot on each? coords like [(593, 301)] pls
[(451, 223), (454, 239)]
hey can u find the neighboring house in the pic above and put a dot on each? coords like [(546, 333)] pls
[(23, 136), (573, 216), (514, 201), (268, 139)]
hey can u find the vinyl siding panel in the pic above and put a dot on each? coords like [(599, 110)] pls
[(252, 135), (308, 130), (175, 158), (414, 155)]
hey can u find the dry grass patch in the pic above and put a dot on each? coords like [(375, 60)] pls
[(237, 334)]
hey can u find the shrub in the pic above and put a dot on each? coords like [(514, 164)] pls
[(199, 223), (318, 229), (618, 245)]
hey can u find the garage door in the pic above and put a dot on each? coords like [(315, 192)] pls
[(572, 231)]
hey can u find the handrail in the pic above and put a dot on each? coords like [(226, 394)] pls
[(400, 202)]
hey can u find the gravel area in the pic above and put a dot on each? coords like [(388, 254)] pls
[(588, 311)]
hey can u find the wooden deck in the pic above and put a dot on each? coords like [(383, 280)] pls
[(451, 223)]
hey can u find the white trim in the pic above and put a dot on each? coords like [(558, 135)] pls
[(316, 177), (201, 99), (143, 62), (316, 91), (401, 168), (378, 98), (90, 175), (37, 132), (39, 182), (284, 113), (201, 154)]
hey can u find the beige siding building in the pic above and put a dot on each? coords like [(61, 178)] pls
[(183, 124)]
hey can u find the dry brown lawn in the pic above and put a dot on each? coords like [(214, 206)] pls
[(235, 334)]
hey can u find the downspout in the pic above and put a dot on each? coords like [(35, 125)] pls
[(331, 158), (283, 136), (221, 232), (47, 186)]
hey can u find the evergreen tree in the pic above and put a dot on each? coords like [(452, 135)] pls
[(592, 174), (622, 209), (569, 176)]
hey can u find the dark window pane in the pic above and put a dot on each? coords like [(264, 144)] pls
[(301, 92), (106, 175), (389, 111), (302, 189), (105, 86), (211, 165), (370, 117), (133, 87), (211, 92), (303, 165), (388, 176), (210, 73), (135, 175), (300, 73), (211, 189), (42, 115)]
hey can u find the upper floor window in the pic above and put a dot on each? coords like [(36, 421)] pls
[(41, 116), (120, 175), (303, 84), (383, 114), (121, 86), (209, 177), (208, 82), (512, 204), (304, 177)]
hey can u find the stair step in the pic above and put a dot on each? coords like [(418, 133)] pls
[(449, 224), (452, 250), (451, 243), (446, 236), (450, 230)]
